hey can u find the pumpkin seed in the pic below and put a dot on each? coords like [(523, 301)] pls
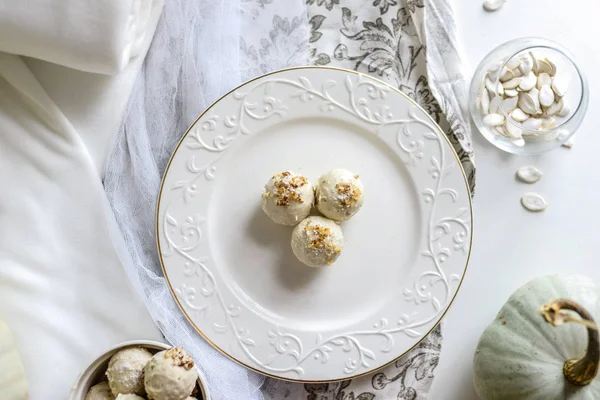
[(509, 104), (518, 115), (495, 104), (493, 119), (513, 83), (554, 108), (535, 93), (560, 85), (528, 103), (529, 174), (552, 67), (513, 63), (512, 130), (489, 85), (543, 66), (493, 5), (526, 65), (548, 122), (533, 202), (528, 82), (511, 92), (565, 110), (518, 72), (546, 96), (485, 101), (518, 142), (500, 89), (534, 61), (507, 76), (532, 124), (551, 135), (543, 79), (500, 130), (529, 134)]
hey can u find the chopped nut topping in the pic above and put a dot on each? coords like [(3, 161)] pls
[(348, 194), (321, 238), (287, 188), (180, 359)]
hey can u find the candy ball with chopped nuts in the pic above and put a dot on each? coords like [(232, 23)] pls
[(126, 371), (288, 198), (317, 241), (100, 391), (339, 194), (170, 375)]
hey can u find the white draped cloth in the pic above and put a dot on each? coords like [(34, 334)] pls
[(87, 35), (203, 49), (63, 290)]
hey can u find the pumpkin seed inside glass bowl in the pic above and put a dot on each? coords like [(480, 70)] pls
[(528, 96)]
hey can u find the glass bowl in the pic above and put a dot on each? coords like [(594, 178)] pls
[(520, 137)]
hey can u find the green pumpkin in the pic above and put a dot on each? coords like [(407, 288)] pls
[(521, 357), (13, 385)]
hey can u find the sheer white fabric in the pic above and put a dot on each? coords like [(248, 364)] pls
[(87, 35), (196, 57)]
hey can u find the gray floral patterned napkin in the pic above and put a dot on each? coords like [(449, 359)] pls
[(409, 44), (408, 378), (396, 41)]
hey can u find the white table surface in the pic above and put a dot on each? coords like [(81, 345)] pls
[(512, 246)]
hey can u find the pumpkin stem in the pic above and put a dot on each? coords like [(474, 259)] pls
[(578, 372)]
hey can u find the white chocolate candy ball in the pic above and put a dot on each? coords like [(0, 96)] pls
[(170, 375), (129, 397), (288, 198), (317, 241), (100, 391), (339, 194), (126, 371)]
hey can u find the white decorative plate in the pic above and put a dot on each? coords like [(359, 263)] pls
[(232, 270)]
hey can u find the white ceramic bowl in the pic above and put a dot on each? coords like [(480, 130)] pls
[(95, 372)]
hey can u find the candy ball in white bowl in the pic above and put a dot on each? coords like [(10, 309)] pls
[(129, 397), (170, 375), (101, 391), (288, 198), (339, 194), (126, 371), (93, 377), (317, 241)]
